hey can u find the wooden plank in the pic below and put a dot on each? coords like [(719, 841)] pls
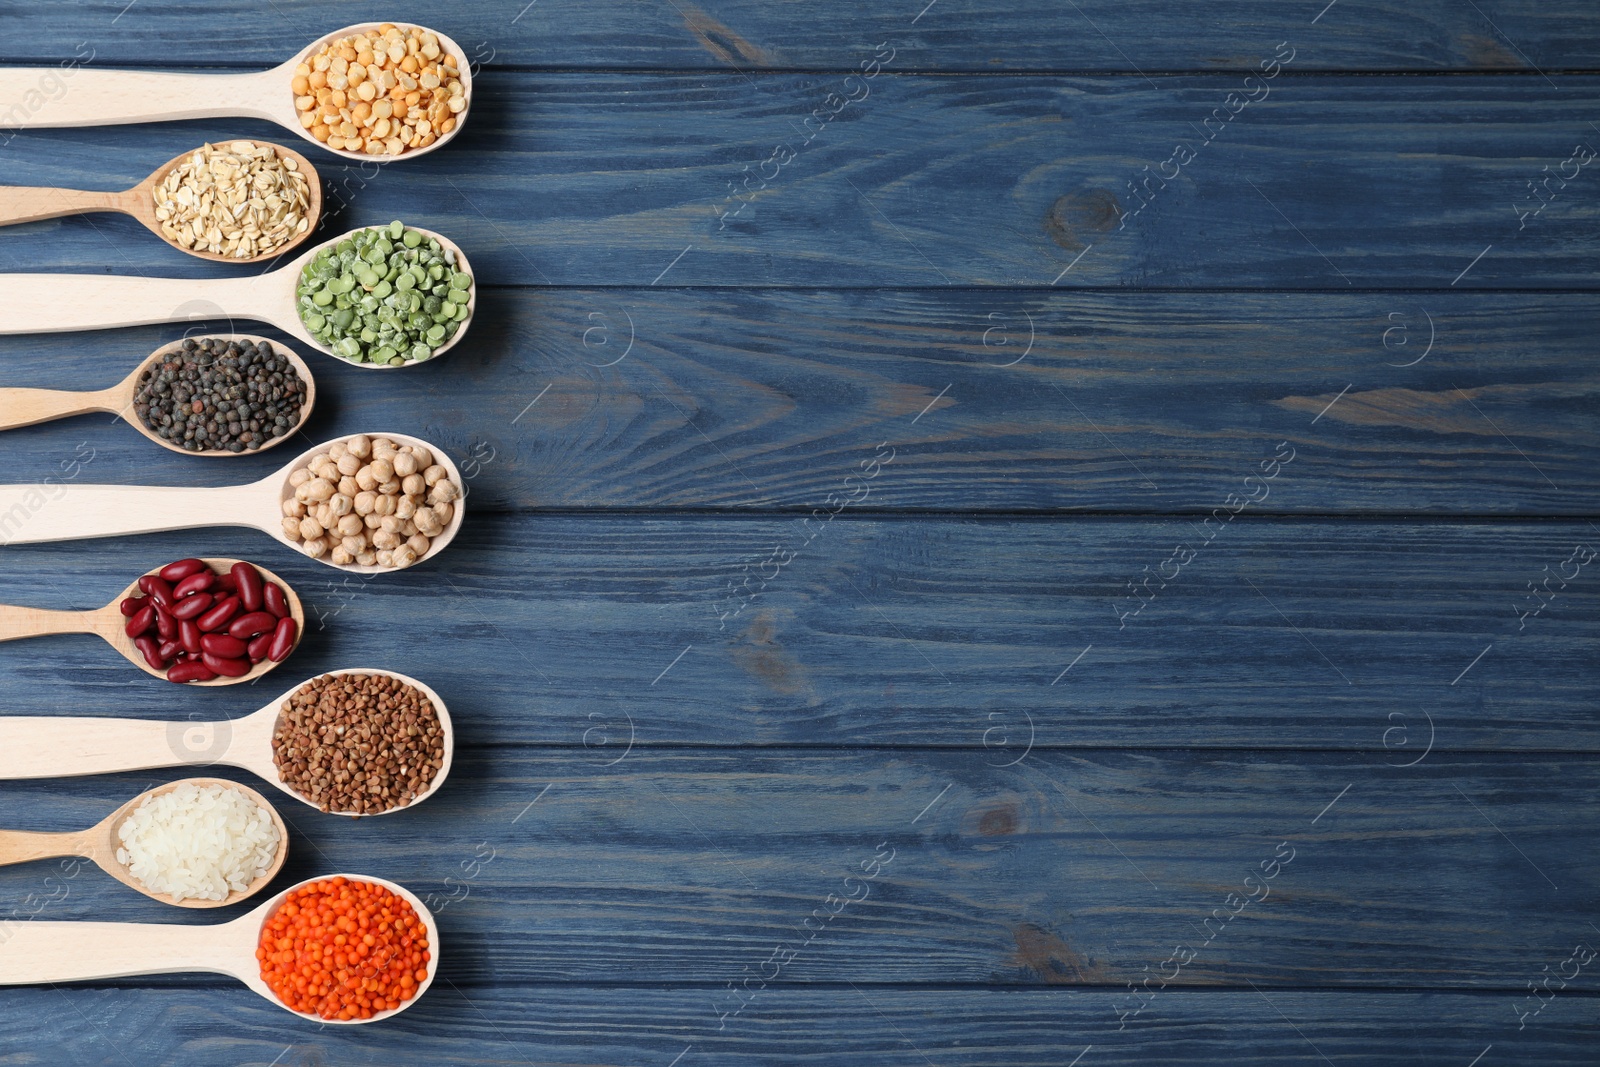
[(1371, 638), (1102, 35), (1115, 402), (582, 1026), (940, 180), (1083, 869)]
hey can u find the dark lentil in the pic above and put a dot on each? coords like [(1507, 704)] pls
[(214, 394), (358, 743)]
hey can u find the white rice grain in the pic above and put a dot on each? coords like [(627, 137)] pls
[(198, 842)]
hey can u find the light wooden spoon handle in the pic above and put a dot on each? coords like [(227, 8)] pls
[(27, 407), (50, 96), (34, 951), (56, 303), (21, 846), (52, 746), (18, 622), (65, 511), (28, 203)]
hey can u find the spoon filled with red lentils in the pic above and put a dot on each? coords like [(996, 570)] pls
[(207, 396), (371, 91), (340, 949), (354, 742), (194, 621)]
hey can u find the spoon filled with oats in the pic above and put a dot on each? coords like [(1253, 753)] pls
[(233, 202)]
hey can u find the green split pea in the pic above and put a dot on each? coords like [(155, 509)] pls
[(387, 295)]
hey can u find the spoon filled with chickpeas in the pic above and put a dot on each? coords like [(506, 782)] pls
[(368, 503), (373, 90)]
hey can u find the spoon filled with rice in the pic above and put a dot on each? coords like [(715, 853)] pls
[(195, 843)]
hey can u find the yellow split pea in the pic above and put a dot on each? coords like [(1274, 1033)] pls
[(381, 93)]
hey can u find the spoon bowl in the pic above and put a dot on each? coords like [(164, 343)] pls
[(109, 623), (54, 746), (100, 97), (58, 303), (28, 407), (32, 203), (67, 511), (100, 843), (38, 952)]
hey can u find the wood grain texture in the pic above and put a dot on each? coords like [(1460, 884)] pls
[(1102, 35), (1067, 869), (937, 181), (579, 1026), (1114, 402), (558, 631)]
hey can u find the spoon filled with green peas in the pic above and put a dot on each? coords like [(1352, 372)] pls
[(378, 297)]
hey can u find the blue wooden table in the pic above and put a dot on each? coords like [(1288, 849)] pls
[(1000, 534)]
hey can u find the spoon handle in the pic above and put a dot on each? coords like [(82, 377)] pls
[(54, 746), (21, 846), (36, 951), (57, 303), (28, 407), (48, 96), (65, 511), (17, 622), (27, 203)]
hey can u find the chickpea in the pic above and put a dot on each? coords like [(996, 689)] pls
[(382, 470), (405, 465), (366, 479), (319, 489), (360, 446), (408, 528), (353, 543), (423, 456), (402, 557), (351, 524), (385, 505), (444, 492), (310, 528), (406, 508), (435, 474), (302, 492), (340, 505), (371, 521), (365, 502), (336, 451), (418, 544), (291, 528), (444, 513), (349, 464), (317, 547), (385, 539), (390, 487), (412, 484), (342, 556), (323, 513), (428, 524), (299, 477), (389, 523), (294, 509), (366, 559), (348, 486)]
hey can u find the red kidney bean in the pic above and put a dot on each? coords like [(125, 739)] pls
[(249, 580), (189, 636), (166, 625), (138, 624), (177, 572), (219, 615), (256, 622), (227, 582), (224, 646), (190, 671), (152, 652), (282, 640), (169, 649), (273, 598), (131, 605), (192, 606), (258, 646), (158, 589), (195, 583), (232, 668)]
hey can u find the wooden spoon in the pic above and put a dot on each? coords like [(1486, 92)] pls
[(100, 843), (63, 746), (20, 203), (67, 511), (38, 952), (59, 303), (29, 407), (96, 97), (109, 623)]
